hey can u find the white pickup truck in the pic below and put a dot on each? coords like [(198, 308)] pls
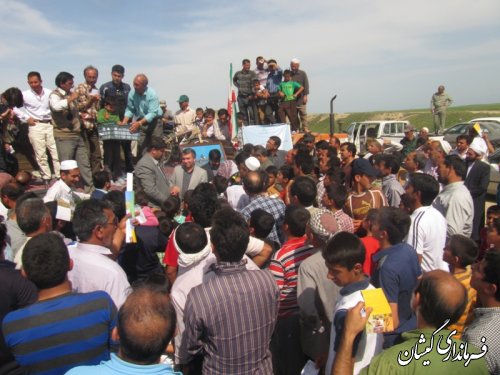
[(391, 131)]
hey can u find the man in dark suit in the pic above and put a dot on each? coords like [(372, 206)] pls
[(477, 180), (187, 175), (214, 158), (150, 175)]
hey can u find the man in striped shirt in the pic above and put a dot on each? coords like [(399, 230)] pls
[(63, 329), (288, 358), (229, 319)]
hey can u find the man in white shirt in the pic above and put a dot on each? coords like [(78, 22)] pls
[(427, 234), (100, 235), (63, 188), (33, 218), (36, 113), (462, 146)]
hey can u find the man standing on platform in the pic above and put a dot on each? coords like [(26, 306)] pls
[(185, 117), (301, 77), (243, 81), (88, 105), (67, 126), (37, 115), (117, 91), (439, 103), (143, 108)]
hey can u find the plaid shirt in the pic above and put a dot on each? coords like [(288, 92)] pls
[(486, 325), (230, 320), (275, 207)]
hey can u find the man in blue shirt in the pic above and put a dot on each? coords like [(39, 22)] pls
[(143, 108), (397, 268), (274, 78), (146, 324), (62, 329)]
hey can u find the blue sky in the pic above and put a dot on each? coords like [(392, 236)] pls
[(375, 55)]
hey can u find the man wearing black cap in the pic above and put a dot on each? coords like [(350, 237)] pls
[(117, 91), (363, 197)]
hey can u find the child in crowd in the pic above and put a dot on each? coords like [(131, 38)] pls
[(238, 139), (107, 114), (492, 213), (371, 243), (199, 120), (283, 177), (288, 357), (460, 252), (273, 189), (172, 207), (141, 200), (111, 147), (208, 125), (102, 184), (344, 257), (334, 200), (493, 236), (185, 215), (261, 223), (374, 146), (289, 91), (260, 95), (220, 183), (363, 197)]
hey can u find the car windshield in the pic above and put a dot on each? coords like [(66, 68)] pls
[(457, 129), (495, 157), (492, 127)]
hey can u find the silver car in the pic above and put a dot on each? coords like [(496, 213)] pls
[(494, 160)]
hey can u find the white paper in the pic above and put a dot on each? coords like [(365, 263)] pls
[(63, 210), (130, 181), (310, 369)]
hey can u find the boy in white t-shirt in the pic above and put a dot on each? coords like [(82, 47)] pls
[(344, 256)]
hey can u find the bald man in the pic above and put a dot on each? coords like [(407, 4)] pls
[(146, 324), (143, 108), (255, 187), (438, 301)]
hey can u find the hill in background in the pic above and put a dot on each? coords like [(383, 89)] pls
[(417, 117)]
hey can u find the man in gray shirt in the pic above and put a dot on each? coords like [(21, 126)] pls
[(243, 81)]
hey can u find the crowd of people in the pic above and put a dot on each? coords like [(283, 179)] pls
[(264, 257), (49, 126)]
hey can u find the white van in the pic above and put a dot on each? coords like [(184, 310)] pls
[(388, 130)]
